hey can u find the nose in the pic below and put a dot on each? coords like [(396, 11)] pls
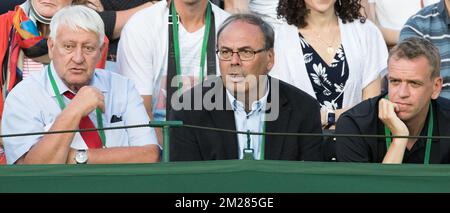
[(403, 90), (235, 59), (78, 56)]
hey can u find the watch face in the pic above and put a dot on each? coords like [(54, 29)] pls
[(331, 118), (81, 156)]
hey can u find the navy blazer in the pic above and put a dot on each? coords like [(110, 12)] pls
[(298, 113)]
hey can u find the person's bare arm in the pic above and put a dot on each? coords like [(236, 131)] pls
[(364, 8), (148, 107), (123, 16), (387, 114), (370, 91), (391, 36), (54, 148), (136, 154), (337, 114), (373, 89), (236, 6), (93, 4)]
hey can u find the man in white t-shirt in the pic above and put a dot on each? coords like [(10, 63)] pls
[(149, 48)]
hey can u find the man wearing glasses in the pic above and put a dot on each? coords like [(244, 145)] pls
[(245, 99)]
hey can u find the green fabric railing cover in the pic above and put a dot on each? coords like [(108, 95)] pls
[(235, 176)]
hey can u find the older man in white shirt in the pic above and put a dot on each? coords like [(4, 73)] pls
[(70, 94)]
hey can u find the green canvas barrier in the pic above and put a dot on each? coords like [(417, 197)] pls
[(226, 176)]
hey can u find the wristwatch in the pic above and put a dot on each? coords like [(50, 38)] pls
[(81, 156), (331, 117)]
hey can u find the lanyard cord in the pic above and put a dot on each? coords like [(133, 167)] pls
[(263, 136), (262, 142), (62, 105), (177, 43), (426, 159)]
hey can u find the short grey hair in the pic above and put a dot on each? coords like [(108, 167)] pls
[(254, 19), (415, 47), (76, 17)]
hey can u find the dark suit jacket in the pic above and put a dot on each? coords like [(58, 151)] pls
[(363, 119), (298, 113)]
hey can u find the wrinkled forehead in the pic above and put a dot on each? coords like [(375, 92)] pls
[(241, 34), (65, 32), (409, 69)]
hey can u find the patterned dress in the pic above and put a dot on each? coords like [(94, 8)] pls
[(328, 81)]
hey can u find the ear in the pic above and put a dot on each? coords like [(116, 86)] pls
[(270, 59), (50, 46), (437, 87)]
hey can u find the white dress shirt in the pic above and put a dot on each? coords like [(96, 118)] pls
[(252, 121)]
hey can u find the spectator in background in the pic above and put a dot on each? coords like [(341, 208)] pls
[(8, 5), (115, 13), (23, 46), (331, 52), (433, 23), (148, 41), (390, 19), (266, 8), (412, 107), (71, 94), (258, 103), (23, 35)]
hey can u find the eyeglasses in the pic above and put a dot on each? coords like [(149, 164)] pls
[(244, 54)]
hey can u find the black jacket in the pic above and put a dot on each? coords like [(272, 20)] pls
[(298, 113), (363, 119)]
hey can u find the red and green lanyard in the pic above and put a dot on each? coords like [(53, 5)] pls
[(62, 105)]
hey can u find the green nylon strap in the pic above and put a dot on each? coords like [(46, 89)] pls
[(205, 42), (248, 139), (101, 133), (262, 145), (426, 159), (263, 142), (55, 89), (248, 152), (429, 134), (176, 43), (62, 105)]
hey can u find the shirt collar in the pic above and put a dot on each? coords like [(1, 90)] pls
[(443, 11), (95, 82), (257, 106)]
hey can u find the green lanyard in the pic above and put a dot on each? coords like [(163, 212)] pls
[(62, 105), (263, 142), (248, 152), (177, 42), (426, 160)]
